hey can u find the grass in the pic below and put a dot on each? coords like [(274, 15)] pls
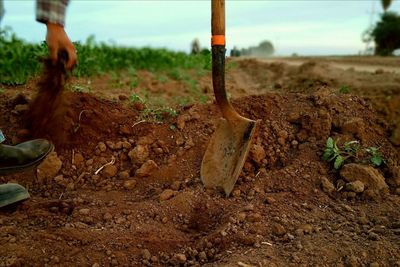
[(19, 60), (154, 108)]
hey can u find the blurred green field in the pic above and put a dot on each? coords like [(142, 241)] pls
[(19, 59)]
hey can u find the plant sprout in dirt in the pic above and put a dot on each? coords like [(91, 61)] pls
[(350, 151)]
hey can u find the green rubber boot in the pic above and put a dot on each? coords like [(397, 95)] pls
[(12, 193), (23, 156)]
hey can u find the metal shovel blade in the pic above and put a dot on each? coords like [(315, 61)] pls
[(226, 153)]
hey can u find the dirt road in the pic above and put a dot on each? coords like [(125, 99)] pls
[(369, 64)]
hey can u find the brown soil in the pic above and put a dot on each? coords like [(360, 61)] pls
[(278, 215)]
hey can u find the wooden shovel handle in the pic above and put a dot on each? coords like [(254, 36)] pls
[(218, 59), (218, 17)]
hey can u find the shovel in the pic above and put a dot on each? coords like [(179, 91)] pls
[(228, 148)]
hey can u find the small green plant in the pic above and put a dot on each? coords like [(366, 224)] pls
[(376, 157), (135, 98), (344, 89), (350, 151), (157, 114), (333, 153), (2, 91), (80, 88)]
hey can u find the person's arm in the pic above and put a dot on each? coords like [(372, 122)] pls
[(52, 13)]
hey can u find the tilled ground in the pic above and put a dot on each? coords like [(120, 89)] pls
[(147, 205)]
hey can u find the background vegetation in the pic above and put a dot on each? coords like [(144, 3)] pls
[(19, 59)]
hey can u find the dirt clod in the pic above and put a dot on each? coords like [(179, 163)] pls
[(49, 168), (369, 176), (356, 186), (167, 194), (147, 168)]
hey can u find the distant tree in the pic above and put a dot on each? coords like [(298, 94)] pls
[(386, 34), (235, 52), (266, 47), (195, 47)]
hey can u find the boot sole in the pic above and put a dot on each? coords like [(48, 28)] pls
[(31, 165), (14, 198)]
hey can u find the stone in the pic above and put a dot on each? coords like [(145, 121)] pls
[(373, 236), (110, 171), (154, 259), (369, 176), (270, 200), (129, 184), (145, 140), (102, 147), (147, 168), (202, 256), (146, 254), (123, 175), (176, 185), (79, 160), (278, 229), (125, 130), (167, 194), (107, 216), (180, 257), (397, 191), (236, 193), (139, 154), (257, 153), (84, 211), (49, 168), (254, 217), (126, 145), (356, 186), (327, 185), (306, 228)]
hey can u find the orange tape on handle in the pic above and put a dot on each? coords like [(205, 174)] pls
[(218, 40)]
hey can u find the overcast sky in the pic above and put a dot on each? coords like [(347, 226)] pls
[(318, 27)]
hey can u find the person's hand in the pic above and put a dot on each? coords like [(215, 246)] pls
[(56, 40)]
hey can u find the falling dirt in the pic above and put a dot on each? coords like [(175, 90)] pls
[(49, 107), (129, 191)]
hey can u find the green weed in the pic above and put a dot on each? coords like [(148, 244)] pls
[(376, 158), (350, 151), (344, 89)]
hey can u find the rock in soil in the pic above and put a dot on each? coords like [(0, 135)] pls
[(167, 194), (49, 168), (278, 229), (129, 184), (139, 154), (327, 185), (368, 175), (356, 186), (110, 171), (147, 168)]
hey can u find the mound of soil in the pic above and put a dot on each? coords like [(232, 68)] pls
[(128, 192)]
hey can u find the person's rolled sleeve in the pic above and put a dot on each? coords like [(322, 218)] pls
[(51, 11)]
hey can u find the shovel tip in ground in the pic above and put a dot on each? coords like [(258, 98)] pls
[(226, 153)]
